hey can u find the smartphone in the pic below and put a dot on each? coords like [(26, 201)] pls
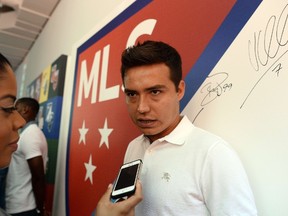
[(125, 183)]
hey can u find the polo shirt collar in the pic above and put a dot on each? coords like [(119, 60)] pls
[(27, 124), (178, 135)]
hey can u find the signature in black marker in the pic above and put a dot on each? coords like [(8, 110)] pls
[(266, 45), (214, 87), (269, 47)]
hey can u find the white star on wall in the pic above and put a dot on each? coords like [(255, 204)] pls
[(83, 131), (89, 169), (105, 132)]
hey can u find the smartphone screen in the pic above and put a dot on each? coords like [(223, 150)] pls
[(127, 177), (125, 183)]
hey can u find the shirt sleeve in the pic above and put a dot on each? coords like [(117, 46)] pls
[(225, 184)]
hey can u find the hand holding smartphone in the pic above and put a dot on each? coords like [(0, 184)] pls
[(125, 183)]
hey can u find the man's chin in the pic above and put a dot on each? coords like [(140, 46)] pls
[(148, 132)]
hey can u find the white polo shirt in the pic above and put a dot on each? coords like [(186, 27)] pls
[(19, 192), (191, 172)]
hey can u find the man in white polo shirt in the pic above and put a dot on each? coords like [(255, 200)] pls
[(25, 187), (186, 170)]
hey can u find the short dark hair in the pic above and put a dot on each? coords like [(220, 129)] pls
[(31, 102), (4, 62), (153, 52)]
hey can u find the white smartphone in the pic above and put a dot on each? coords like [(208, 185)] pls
[(125, 183)]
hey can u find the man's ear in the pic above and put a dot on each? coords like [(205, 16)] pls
[(181, 90), (25, 109)]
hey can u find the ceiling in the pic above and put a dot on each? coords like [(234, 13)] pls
[(20, 28)]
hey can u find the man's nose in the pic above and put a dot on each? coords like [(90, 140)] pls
[(143, 105)]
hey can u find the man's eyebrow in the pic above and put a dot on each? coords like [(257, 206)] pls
[(156, 87), (128, 90)]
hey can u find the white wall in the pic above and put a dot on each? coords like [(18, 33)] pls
[(252, 116)]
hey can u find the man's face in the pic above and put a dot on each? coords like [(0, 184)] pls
[(10, 119), (152, 99)]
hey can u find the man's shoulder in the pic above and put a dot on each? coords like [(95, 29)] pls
[(32, 129)]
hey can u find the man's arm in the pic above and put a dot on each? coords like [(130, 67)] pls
[(38, 181)]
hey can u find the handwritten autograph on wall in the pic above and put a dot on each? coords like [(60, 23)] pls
[(265, 52), (214, 86), (268, 47)]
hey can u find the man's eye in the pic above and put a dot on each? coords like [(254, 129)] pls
[(155, 92), (130, 94), (8, 109)]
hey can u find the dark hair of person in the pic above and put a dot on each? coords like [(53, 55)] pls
[(4, 62), (31, 102), (153, 52)]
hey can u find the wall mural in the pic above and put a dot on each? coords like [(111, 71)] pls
[(100, 128), (48, 90)]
